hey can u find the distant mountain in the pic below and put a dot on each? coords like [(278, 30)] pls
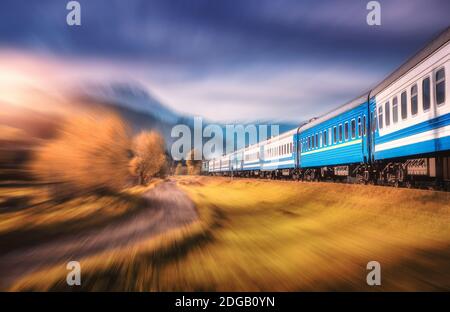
[(143, 111), (134, 97)]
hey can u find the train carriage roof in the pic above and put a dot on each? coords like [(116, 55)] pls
[(336, 112), (429, 49), (417, 58)]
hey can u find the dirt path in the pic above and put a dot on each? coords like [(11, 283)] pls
[(168, 208)]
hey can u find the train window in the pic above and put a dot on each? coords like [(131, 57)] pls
[(334, 135), (414, 100), (440, 86), (395, 109), (313, 140), (346, 130), (340, 133), (426, 94), (324, 138), (330, 137), (364, 125), (387, 113), (317, 140), (292, 147), (359, 127), (353, 128), (380, 117), (404, 100), (309, 143)]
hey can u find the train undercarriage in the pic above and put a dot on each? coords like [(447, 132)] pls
[(424, 172)]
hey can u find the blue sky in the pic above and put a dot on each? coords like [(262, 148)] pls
[(230, 60)]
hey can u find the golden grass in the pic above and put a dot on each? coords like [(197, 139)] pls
[(282, 236)]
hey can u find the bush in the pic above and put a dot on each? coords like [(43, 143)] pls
[(193, 166), (180, 169), (91, 152), (150, 158)]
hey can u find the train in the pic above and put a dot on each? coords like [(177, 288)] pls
[(397, 133)]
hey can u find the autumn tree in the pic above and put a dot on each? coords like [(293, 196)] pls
[(149, 156), (193, 166), (180, 169), (90, 152)]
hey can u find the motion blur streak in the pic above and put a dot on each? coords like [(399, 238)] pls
[(269, 235)]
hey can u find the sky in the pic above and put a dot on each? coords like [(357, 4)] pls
[(221, 59)]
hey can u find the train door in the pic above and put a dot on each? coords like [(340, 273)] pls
[(372, 128), (297, 150), (362, 133)]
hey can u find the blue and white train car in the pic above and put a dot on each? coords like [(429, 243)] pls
[(336, 142), (251, 159), (399, 132), (411, 115), (225, 164), (279, 154), (237, 161)]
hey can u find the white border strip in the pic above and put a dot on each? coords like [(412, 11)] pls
[(416, 138)]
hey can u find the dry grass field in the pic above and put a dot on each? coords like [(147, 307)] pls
[(29, 215), (255, 235)]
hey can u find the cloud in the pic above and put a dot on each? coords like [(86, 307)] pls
[(289, 93), (227, 59)]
